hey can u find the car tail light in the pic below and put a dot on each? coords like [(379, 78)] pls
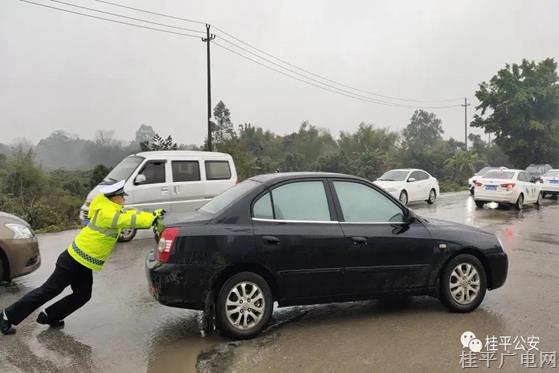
[(166, 243), (508, 185), (478, 184)]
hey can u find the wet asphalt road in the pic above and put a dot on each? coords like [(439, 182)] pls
[(122, 329)]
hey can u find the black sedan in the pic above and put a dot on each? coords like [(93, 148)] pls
[(306, 238)]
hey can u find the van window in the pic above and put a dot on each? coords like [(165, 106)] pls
[(154, 171), (217, 170), (186, 170)]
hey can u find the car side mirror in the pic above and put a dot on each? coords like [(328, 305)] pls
[(140, 179), (411, 179)]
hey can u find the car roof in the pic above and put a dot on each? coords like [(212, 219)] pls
[(269, 179), (182, 153), (407, 169)]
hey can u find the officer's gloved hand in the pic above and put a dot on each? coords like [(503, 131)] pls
[(159, 213)]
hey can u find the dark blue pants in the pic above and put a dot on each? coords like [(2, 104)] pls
[(68, 272)]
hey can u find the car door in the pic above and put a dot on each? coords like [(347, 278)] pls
[(529, 188), (386, 251), (152, 192), (187, 187), (415, 187), (299, 239)]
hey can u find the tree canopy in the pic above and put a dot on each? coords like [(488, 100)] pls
[(520, 106)]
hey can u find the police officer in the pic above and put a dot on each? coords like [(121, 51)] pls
[(89, 251)]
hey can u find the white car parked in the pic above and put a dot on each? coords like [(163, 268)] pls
[(550, 183), (410, 185), (507, 186)]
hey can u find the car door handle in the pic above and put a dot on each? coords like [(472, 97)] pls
[(359, 240), (271, 239)]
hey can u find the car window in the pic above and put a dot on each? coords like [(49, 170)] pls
[(552, 173), (154, 171), (522, 177), (303, 200), (417, 175), (225, 199), (217, 170), (262, 209), (185, 170), (124, 169), (499, 175), (362, 203)]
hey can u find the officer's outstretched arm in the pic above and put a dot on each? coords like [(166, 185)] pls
[(129, 219)]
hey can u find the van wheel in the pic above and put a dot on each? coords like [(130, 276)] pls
[(244, 305), (463, 284), (126, 235), (480, 203)]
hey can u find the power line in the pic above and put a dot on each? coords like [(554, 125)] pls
[(279, 59), (109, 20), (376, 100), (150, 12), (313, 84), (122, 16), (327, 79)]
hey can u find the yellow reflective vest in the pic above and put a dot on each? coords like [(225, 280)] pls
[(93, 245)]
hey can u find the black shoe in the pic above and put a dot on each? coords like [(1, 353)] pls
[(44, 319), (5, 325)]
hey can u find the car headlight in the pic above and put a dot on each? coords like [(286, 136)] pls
[(20, 231)]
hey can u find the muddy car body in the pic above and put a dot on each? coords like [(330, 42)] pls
[(19, 249)]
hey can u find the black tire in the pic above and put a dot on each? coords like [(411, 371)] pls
[(226, 324), (3, 274), (403, 198), (480, 203), (449, 274), (519, 205), (127, 235), (432, 197)]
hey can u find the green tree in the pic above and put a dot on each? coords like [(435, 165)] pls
[(97, 175), (159, 143), (222, 128), (520, 106), (462, 165), (423, 132)]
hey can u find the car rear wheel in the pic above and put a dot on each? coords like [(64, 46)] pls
[(126, 235), (403, 197), (480, 203), (432, 197), (244, 305), (463, 284), (519, 202)]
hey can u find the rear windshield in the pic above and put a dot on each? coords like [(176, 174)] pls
[(231, 195), (499, 175), (485, 170), (552, 173)]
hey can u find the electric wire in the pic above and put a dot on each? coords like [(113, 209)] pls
[(109, 20), (126, 17)]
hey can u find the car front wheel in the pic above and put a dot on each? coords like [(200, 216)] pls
[(463, 284), (244, 305), (403, 197)]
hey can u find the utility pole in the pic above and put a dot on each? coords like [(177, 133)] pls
[(465, 122), (209, 37)]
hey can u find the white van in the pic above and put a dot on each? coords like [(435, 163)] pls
[(175, 180)]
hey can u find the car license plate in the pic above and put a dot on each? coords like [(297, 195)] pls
[(491, 187), (554, 181)]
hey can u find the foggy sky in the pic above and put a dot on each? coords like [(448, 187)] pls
[(63, 71)]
